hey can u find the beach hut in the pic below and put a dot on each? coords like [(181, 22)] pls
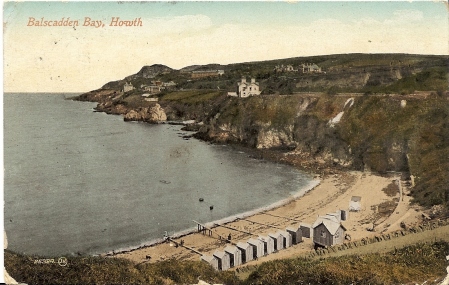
[(355, 204), (305, 230), (286, 239), (235, 256), (222, 260), (278, 240), (344, 215), (210, 260), (268, 244), (296, 234), (257, 247), (246, 251), (327, 231)]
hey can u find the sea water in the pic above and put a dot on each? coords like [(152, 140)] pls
[(78, 181)]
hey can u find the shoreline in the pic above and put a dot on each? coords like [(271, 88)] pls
[(309, 187), (332, 193)]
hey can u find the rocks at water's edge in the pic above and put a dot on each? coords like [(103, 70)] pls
[(154, 114)]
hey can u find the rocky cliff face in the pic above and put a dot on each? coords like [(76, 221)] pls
[(153, 114), (364, 133)]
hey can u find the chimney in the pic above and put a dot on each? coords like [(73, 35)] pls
[(243, 79), (253, 80)]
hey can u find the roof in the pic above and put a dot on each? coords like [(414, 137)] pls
[(263, 238), (231, 249), (207, 258), (275, 235), (331, 224), (283, 233), (293, 228), (254, 241), (334, 216), (219, 254), (242, 245), (248, 83)]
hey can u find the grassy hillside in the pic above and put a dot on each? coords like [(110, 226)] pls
[(418, 263), (377, 129), (411, 264), (371, 73)]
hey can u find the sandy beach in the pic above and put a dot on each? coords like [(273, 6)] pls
[(380, 213)]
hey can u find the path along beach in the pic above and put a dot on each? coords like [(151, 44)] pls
[(333, 193)]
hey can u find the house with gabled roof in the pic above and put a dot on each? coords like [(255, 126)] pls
[(235, 255), (258, 247), (268, 244), (328, 231), (210, 260), (246, 251), (223, 260), (246, 89), (296, 233)]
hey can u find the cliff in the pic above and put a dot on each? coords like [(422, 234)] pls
[(386, 126), (407, 134)]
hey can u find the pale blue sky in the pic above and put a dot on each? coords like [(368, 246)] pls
[(184, 33), (223, 12)]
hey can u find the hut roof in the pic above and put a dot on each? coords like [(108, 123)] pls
[(254, 241), (292, 228), (275, 235), (219, 254), (242, 244), (331, 225), (283, 233), (263, 238), (231, 249), (207, 258)]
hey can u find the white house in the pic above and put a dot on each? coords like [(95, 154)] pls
[(246, 89), (282, 68), (310, 68), (128, 87)]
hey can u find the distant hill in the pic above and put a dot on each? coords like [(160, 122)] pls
[(366, 73)]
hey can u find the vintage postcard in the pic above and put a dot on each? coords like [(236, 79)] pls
[(194, 142)]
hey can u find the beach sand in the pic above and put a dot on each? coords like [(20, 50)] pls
[(333, 193)]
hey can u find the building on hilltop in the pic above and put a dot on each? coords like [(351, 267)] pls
[(206, 73), (310, 68), (286, 68), (128, 87), (246, 89)]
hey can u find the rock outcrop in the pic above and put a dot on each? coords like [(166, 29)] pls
[(153, 114), (156, 114)]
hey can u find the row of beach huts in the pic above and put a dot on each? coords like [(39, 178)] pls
[(326, 231)]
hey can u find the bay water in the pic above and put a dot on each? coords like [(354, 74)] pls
[(78, 181)]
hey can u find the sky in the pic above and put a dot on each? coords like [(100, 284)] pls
[(178, 34)]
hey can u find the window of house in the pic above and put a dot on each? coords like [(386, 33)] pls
[(323, 234)]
